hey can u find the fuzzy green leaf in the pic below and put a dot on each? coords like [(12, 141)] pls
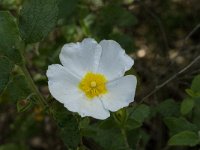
[(139, 113), (168, 108), (111, 139), (68, 125), (185, 138), (186, 106), (176, 125), (6, 67), (9, 37), (191, 93), (18, 89), (37, 19), (196, 84)]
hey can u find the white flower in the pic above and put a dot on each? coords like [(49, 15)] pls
[(91, 79)]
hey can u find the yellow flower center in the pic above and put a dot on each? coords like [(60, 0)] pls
[(93, 85)]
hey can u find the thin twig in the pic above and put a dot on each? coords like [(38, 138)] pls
[(184, 43), (158, 87), (192, 32)]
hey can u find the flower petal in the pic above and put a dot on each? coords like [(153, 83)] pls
[(81, 58), (94, 108), (121, 92), (64, 87), (114, 62), (61, 83)]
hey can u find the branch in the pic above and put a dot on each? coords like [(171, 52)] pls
[(192, 32), (158, 87)]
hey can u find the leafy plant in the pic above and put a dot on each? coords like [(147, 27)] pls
[(32, 33)]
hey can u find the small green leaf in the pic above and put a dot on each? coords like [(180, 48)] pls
[(9, 37), (120, 116), (196, 113), (108, 124), (37, 19), (111, 139), (6, 67), (139, 113), (136, 136), (176, 125), (185, 138), (196, 84), (132, 124), (70, 133), (18, 89), (168, 108), (68, 125), (190, 92), (186, 106), (84, 122)]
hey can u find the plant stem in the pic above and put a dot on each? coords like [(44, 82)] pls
[(125, 138), (33, 86)]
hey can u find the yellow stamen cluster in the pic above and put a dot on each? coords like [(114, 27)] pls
[(93, 85)]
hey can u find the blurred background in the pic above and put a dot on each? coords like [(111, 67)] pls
[(162, 36)]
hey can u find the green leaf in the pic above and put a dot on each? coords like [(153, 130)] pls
[(108, 124), (186, 106), (70, 133), (68, 125), (103, 133), (176, 125), (120, 116), (196, 113), (6, 67), (139, 113), (105, 139), (37, 19), (132, 124), (168, 108), (185, 138), (136, 136), (192, 93), (18, 89), (9, 37), (84, 122), (196, 84)]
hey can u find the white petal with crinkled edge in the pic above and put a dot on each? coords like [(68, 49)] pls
[(81, 58), (85, 107), (114, 62), (121, 92), (61, 82)]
